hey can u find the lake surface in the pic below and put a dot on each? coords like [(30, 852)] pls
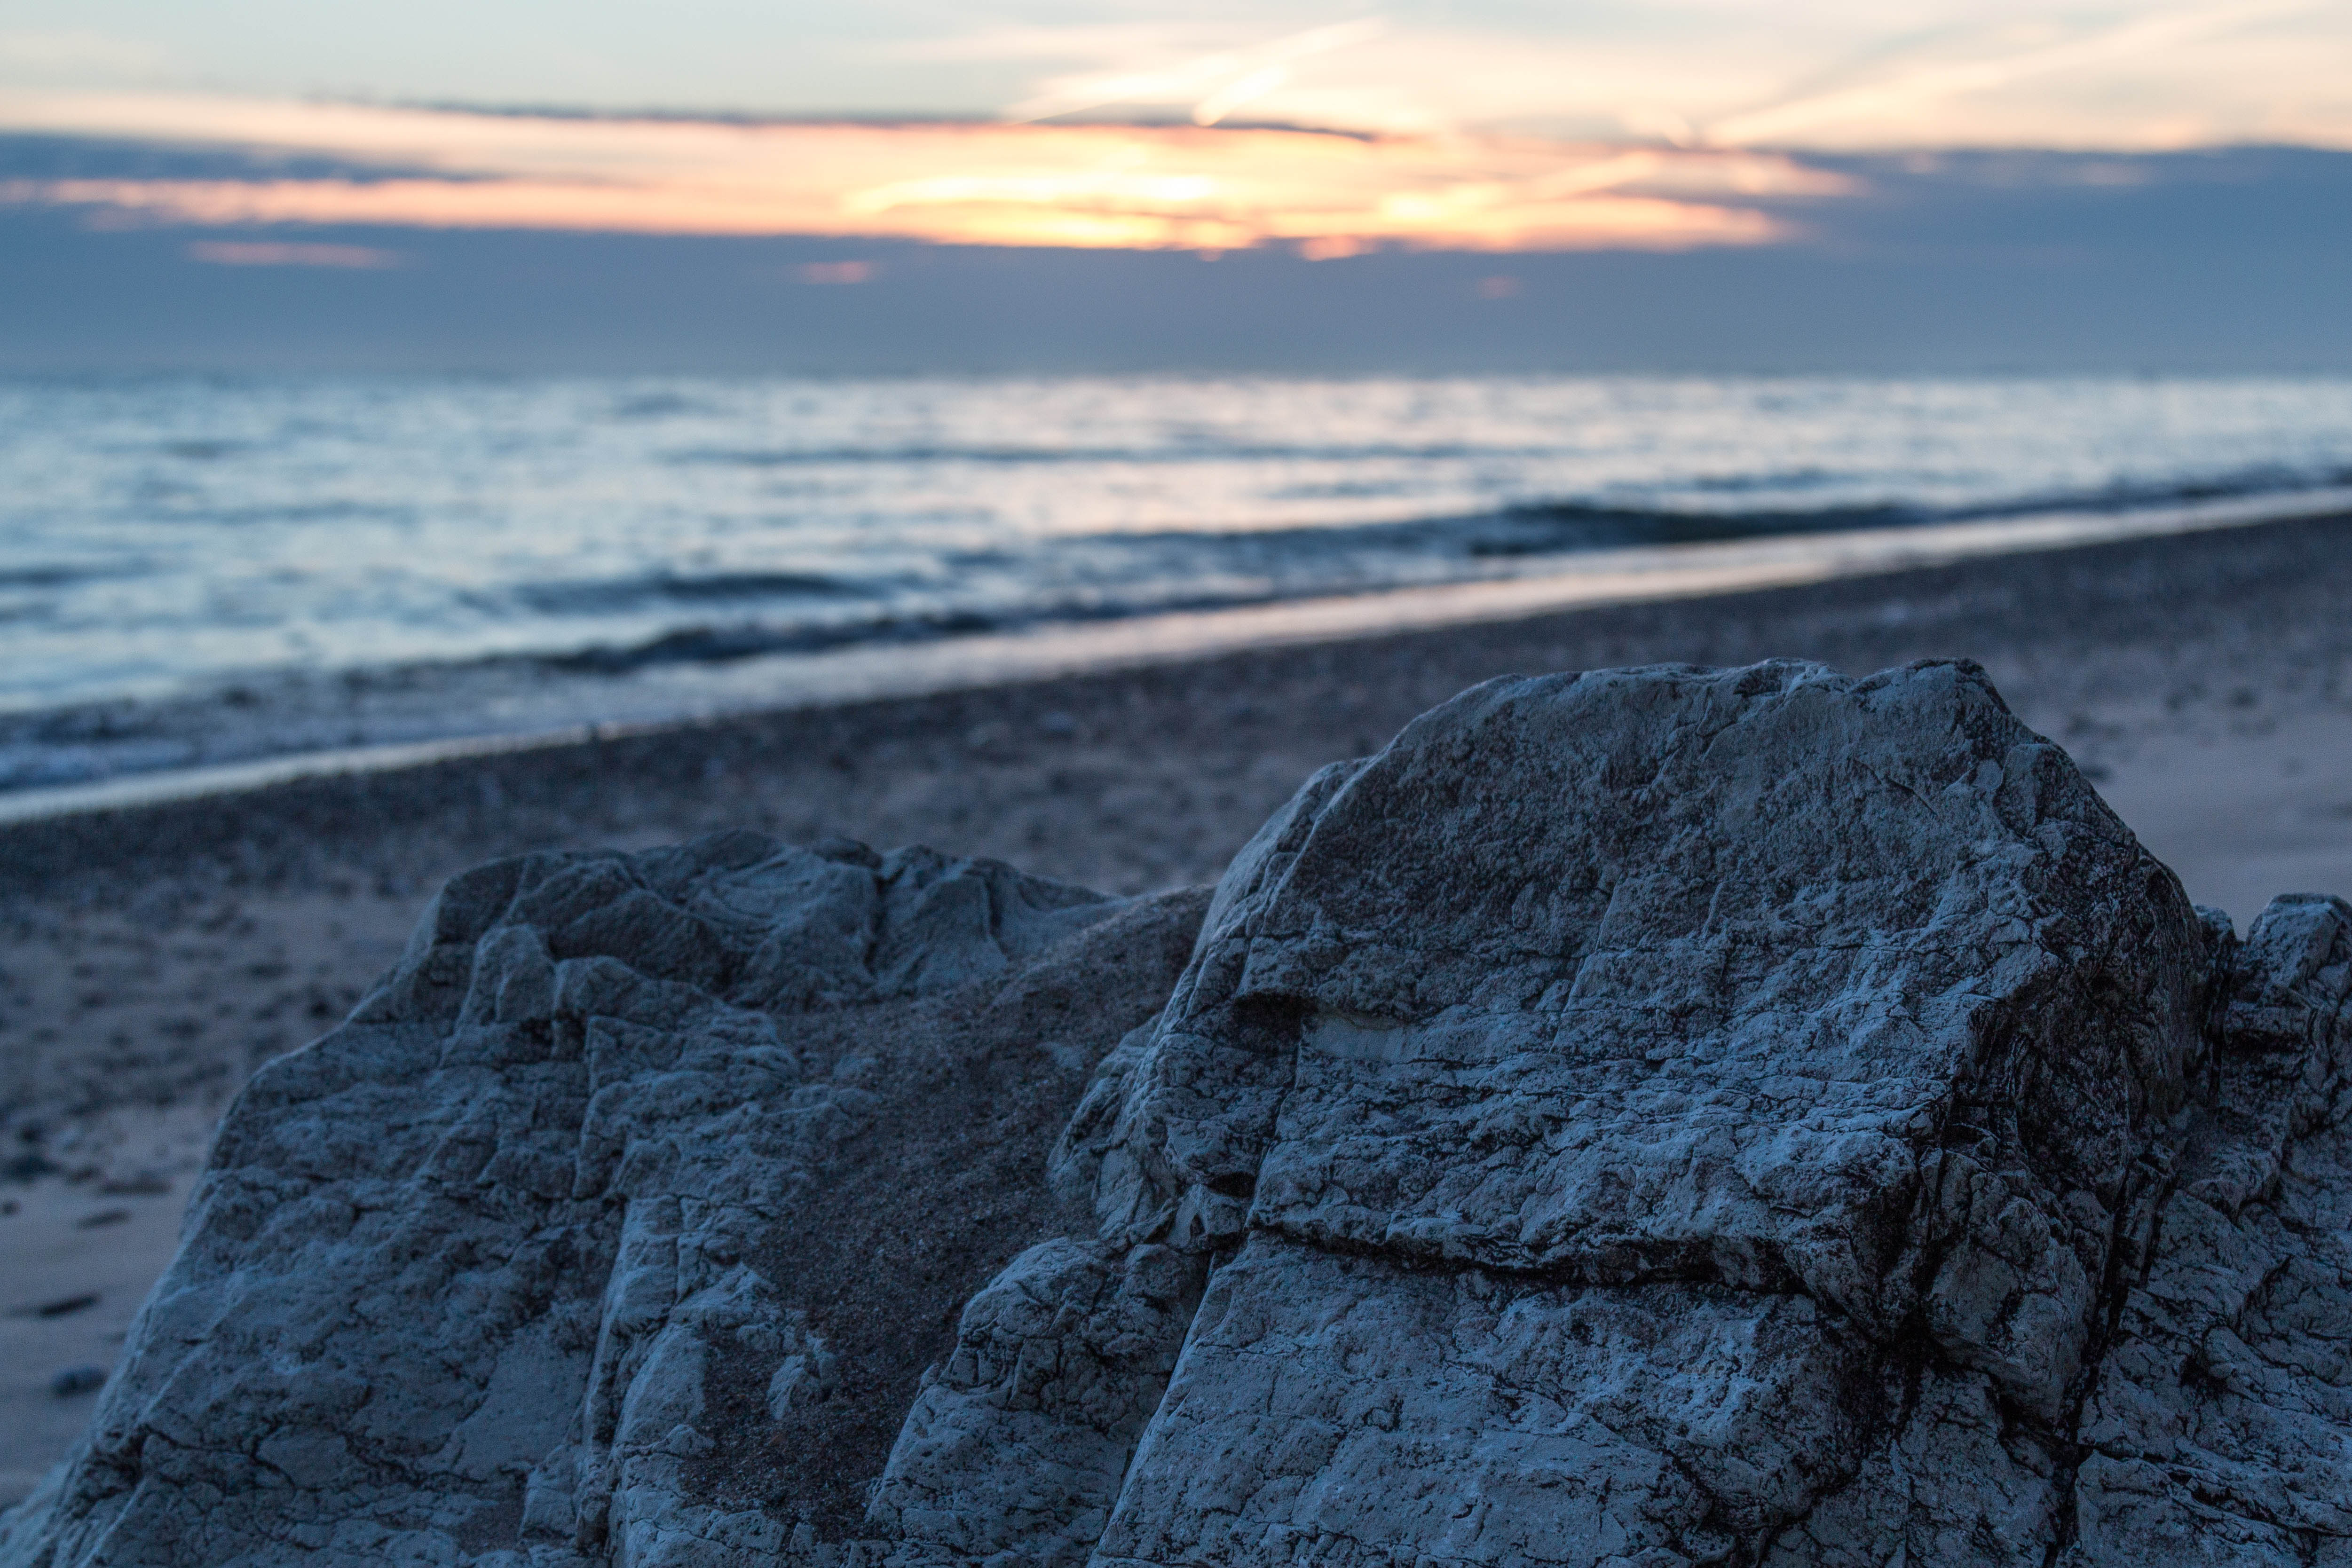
[(176, 540)]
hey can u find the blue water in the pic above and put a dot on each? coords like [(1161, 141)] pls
[(163, 537)]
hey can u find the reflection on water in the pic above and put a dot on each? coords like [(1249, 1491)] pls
[(173, 535)]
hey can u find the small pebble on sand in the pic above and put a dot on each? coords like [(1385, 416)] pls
[(78, 1380)]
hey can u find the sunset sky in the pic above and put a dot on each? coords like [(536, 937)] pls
[(353, 141)]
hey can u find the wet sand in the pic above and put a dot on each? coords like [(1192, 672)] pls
[(150, 959)]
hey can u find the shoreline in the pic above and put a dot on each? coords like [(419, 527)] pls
[(2073, 624), (751, 688)]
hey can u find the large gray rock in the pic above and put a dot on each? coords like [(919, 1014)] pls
[(1650, 1117), (619, 1224), (1614, 1026)]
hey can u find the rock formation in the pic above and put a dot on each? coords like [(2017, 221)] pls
[(1647, 1117)]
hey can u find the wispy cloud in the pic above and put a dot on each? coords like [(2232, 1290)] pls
[(2125, 73), (1004, 185), (1906, 94), (1216, 83)]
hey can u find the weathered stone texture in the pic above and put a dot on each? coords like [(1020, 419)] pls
[(485, 1275), (1342, 1408), (2220, 1429), (1796, 986), (1638, 1119)]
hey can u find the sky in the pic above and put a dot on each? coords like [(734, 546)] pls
[(270, 183), (1841, 73)]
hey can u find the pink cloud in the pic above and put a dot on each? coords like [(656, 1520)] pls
[(261, 252), (838, 272)]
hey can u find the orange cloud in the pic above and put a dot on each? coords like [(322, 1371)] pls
[(1085, 186)]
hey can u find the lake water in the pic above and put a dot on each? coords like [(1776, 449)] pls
[(176, 540)]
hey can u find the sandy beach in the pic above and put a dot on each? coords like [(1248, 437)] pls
[(148, 958)]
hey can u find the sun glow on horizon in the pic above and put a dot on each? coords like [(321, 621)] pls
[(986, 183)]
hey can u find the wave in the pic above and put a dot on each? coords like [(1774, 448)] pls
[(795, 456), (594, 595), (43, 574), (658, 405), (1571, 527), (2236, 485), (727, 644), (203, 451), (328, 510), (1278, 565)]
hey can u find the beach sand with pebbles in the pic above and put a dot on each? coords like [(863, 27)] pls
[(150, 957)]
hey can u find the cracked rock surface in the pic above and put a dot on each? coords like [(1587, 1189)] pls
[(1641, 1118)]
